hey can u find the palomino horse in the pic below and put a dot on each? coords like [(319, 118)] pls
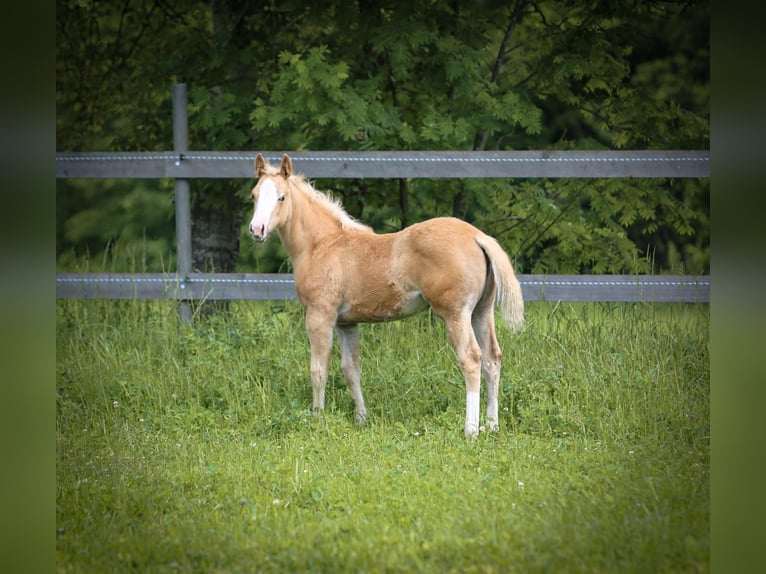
[(346, 274)]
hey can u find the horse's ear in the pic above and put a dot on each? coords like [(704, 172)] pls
[(260, 165), (286, 168)]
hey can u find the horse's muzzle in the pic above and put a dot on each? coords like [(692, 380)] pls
[(258, 233)]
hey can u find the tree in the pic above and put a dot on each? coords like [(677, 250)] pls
[(448, 74)]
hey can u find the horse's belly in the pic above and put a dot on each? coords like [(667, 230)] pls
[(375, 309), (412, 305)]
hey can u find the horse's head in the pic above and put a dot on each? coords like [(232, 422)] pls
[(270, 196)]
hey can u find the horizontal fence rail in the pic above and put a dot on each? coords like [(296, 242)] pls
[(404, 164), (247, 286)]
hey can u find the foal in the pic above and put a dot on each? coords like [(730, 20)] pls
[(346, 274)]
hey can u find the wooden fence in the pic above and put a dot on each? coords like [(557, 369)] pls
[(181, 165)]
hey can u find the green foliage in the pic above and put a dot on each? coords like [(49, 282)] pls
[(442, 75), (92, 217), (192, 449)]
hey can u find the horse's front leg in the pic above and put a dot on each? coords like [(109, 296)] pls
[(319, 330), (348, 339)]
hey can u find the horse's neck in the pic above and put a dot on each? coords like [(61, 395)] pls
[(309, 225)]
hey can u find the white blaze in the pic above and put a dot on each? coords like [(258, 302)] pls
[(267, 201)]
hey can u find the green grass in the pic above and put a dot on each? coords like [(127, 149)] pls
[(193, 450)]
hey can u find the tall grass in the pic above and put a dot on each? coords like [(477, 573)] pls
[(194, 449)]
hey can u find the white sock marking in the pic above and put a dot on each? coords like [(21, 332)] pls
[(471, 412)]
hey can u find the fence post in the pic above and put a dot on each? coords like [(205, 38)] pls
[(183, 201)]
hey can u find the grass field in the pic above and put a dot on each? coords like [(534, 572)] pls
[(193, 450)]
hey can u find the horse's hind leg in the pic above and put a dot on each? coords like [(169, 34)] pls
[(466, 347), (348, 339), (483, 321)]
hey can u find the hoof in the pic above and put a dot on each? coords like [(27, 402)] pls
[(471, 432)]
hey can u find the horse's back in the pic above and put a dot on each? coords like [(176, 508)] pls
[(442, 241), (441, 257)]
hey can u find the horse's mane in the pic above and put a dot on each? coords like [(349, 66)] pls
[(331, 204)]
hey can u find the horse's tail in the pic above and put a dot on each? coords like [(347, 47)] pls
[(509, 297)]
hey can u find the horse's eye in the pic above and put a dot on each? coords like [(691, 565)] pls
[(281, 198)]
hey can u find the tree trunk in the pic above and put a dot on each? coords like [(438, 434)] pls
[(460, 202), (215, 207), (215, 235), (404, 202)]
